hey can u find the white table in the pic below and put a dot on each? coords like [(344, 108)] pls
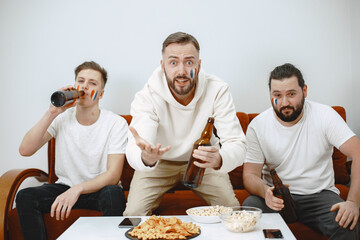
[(105, 228)]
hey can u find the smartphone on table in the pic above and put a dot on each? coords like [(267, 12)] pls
[(129, 222), (272, 234)]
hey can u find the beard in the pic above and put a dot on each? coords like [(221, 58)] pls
[(296, 111), (181, 90)]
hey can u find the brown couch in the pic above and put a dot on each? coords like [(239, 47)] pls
[(174, 202)]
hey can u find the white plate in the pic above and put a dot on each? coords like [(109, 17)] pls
[(203, 219)]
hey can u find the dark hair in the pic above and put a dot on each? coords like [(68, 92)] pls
[(94, 66), (182, 38), (286, 71)]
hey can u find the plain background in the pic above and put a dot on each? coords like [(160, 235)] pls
[(42, 41)]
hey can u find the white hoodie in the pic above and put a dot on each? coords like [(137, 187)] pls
[(159, 118)]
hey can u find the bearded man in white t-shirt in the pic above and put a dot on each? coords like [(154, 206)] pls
[(296, 138), (89, 152)]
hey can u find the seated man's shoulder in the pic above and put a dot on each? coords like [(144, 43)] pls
[(111, 116), (319, 109), (263, 117), (318, 105)]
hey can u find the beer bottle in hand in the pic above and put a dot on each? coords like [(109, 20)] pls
[(61, 98), (281, 191), (194, 174)]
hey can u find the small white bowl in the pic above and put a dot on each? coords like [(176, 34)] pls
[(213, 218), (241, 219)]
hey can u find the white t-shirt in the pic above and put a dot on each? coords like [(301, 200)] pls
[(301, 154), (81, 152)]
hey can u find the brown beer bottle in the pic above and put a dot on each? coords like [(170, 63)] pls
[(281, 191), (61, 98), (194, 174)]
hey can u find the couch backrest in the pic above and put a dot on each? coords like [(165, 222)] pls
[(339, 159)]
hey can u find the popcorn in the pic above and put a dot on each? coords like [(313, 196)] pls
[(209, 211), (242, 221)]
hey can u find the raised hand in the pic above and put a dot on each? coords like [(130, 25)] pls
[(149, 154), (58, 110)]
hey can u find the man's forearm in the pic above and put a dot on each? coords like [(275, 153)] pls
[(255, 185), (34, 138), (97, 183), (354, 193)]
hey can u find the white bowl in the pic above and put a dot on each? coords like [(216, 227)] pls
[(241, 219), (197, 214)]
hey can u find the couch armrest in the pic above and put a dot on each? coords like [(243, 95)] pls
[(9, 184)]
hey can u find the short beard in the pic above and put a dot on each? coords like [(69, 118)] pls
[(181, 91), (292, 117)]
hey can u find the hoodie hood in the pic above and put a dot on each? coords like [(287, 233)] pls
[(158, 84)]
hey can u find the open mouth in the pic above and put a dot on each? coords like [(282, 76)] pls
[(181, 81)]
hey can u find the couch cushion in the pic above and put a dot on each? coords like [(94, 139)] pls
[(344, 191), (244, 120), (241, 195), (339, 163), (127, 118), (126, 175), (339, 160), (236, 177)]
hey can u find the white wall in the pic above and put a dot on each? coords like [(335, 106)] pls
[(42, 41), (355, 64)]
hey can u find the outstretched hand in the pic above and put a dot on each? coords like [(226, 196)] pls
[(348, 212), (149, 154)]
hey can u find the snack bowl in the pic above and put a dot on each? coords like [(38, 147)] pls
[(207, 214), (241, 219)]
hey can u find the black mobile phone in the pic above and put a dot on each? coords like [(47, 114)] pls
[(272, 233), (129, 222)]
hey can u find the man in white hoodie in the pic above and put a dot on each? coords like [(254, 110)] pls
[(172, 110)]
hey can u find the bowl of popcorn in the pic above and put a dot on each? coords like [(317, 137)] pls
[(241, 219), (207, 214)]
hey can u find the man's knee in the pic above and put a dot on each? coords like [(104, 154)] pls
[(112, 194), (253, 201), (335, 231), (24, 196), (138, 206), (112, 200), (136, 209)]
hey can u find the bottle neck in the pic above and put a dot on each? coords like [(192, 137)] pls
[(207, 132), (275, 178), (81, 93)]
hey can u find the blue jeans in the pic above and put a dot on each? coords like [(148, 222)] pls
[(33, 202), (314, 211)]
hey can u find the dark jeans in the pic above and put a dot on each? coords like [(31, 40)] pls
[(33, 202), (314, 210)]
